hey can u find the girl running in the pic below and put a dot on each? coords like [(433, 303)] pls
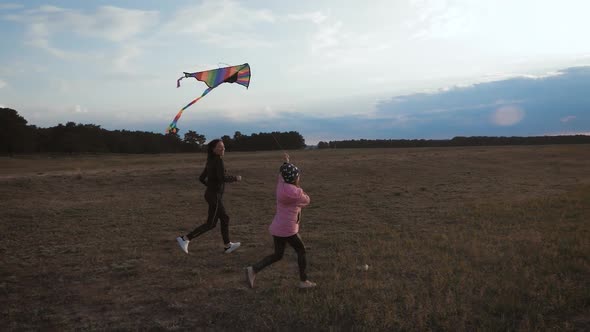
[(285, 225)]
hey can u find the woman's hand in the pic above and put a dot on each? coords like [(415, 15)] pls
[(239, 178), (286, 157)]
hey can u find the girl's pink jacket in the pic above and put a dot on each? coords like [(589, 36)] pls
[(290, 200)]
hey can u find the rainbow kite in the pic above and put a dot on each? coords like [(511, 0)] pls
[(234, 74)]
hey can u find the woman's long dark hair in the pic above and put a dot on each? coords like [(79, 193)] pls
[(210, 147)]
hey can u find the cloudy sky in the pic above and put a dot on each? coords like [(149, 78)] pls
[(328, 69)]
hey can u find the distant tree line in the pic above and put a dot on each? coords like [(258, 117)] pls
[(264, 141), (456, 141), (18, 137)]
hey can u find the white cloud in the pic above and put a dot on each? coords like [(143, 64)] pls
[(119, 24), (440, 19), (250, 113), (506, 29), (507, 76), (47, 9), (9, 6), (507, 116), (327, 38), (314, 17), (220, 16), (477, 107), (108, 23), (567, 118), (80, 109), (340, 41), (65, 87), (540, 76), (488, 78), (18, 67), (128, 53), (44, 44), (46, 115), (223, 23), (569, 133), (2, 84)]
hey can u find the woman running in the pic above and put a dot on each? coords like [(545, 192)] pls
[(214, 177)]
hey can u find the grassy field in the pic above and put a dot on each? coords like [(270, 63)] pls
[(481, 238)]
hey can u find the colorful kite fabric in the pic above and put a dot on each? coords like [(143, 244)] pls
[(234, 74)]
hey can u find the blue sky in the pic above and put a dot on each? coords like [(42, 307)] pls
[(328, 69)]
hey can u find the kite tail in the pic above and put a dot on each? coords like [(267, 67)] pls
[(172, 127)]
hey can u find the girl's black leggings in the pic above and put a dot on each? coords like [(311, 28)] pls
[(280, 242), (216, 212)]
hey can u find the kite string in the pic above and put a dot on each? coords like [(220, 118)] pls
[(279, 144)]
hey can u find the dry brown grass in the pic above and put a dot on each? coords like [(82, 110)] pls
[(494, 238)]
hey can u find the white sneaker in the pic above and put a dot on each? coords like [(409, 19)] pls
[(232, 247), (307, 284), (183, 243), (250, 276)]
